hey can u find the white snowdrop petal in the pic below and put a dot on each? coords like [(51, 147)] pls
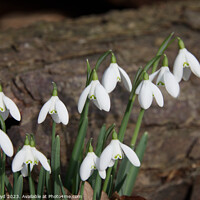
[(160, 79), (42, 158), (62, 112), (24, 170), (102, 174), (157, 95), (193, 63), (4, 114), (105, 157), (152, 76), (6, 144), (186, 73), (109, 79), (137, 91), (125, 79), (171, 84), (102, 97), (44, 110), (178, 65), (96, 104), (130, 154), (83, 97), (11, 106), (17, 163), (145, 97), (112, 162), (117, 152), (55, 118), (86, 168)]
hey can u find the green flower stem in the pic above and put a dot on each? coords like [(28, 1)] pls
[(108, 174), (30, 180), (53, 140), (137, 127), (125, 119), (82, 190)]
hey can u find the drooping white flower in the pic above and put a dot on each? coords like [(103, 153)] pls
[(89, 164), (6, 144), (114, 74), (95, 92), (8, 106), (185, 63), (167, 79), (28, 155), (116, 150), (56, 108), (146, 91)]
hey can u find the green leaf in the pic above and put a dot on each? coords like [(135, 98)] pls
[(77, 150), (88, 70), (8, 186), (108, 132), (62, 187), (129, 172), (48, 181), (102, 57), (56, 172), (161, 50), (18, 189), (41, 183), (30, 180)]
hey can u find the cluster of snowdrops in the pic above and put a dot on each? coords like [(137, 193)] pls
[(98, 93)]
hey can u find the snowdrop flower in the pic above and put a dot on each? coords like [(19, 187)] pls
[(95, 92), (89, 164), (167, 79), (29, 155), (114, 151), (114, 74), (6, 144), (56, 108), (8, 106), (185, 63), (146, 91)]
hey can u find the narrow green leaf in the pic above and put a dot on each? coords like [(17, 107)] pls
[(31, 183), (100, 140), (56, 164), (15, 178), (76, 153), (161, 50), (41, 183), (18, 189), (8, 186), (88, 70), (82, 190), (110, 185), (108, 132), (97, 187), (131, 171), (48, 182), (62, 187), (102, 57)]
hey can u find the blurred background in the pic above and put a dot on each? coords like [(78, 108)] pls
[(45, 41)]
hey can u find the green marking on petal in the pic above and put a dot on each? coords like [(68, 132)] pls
[(92, 97), (1, 109), (160, 83), (185, 64), (118, 78), (53, 111), (118, 156), (29, 161)]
